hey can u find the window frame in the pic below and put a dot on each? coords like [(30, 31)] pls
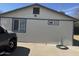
[(19, 25), (53, 22), (36, 10), (13, 21)]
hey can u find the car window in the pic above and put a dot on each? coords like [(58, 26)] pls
[(1, 30)]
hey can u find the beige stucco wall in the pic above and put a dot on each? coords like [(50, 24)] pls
[(38, 31), (6, 23)]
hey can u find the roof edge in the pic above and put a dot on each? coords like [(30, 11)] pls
[(41, 6)]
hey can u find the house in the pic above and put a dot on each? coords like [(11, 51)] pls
[(39, 24)]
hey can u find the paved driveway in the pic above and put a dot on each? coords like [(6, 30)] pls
[(37, 49)]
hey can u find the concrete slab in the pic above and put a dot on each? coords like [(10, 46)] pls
[(39, 49)]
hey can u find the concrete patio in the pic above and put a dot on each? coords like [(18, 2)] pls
[(36, 49), (39, 49)]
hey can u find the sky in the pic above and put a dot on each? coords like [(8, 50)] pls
[(4, 7)]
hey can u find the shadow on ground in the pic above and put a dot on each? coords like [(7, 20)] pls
[(20, 51)]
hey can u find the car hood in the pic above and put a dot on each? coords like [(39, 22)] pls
[(10, 32)]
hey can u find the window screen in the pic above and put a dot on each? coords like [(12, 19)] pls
[(19, 25), (36, 10), (16, 25)]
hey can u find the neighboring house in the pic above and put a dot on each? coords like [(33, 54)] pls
[(38, 24)]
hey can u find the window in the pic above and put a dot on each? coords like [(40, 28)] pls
[(53, 22), (2, 30), (16, 25), (36, 10), (19, 25)]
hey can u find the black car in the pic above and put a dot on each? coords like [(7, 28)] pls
[(8, 41)]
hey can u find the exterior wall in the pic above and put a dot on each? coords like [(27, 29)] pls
[(44, 14), (38, 31), (6, 23)]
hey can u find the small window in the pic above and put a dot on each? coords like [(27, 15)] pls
[(19, 25), (36, 10), (53, 22)]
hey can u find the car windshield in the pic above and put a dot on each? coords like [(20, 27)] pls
[(1, 30)]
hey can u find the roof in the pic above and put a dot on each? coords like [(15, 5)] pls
[(40, 6)]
